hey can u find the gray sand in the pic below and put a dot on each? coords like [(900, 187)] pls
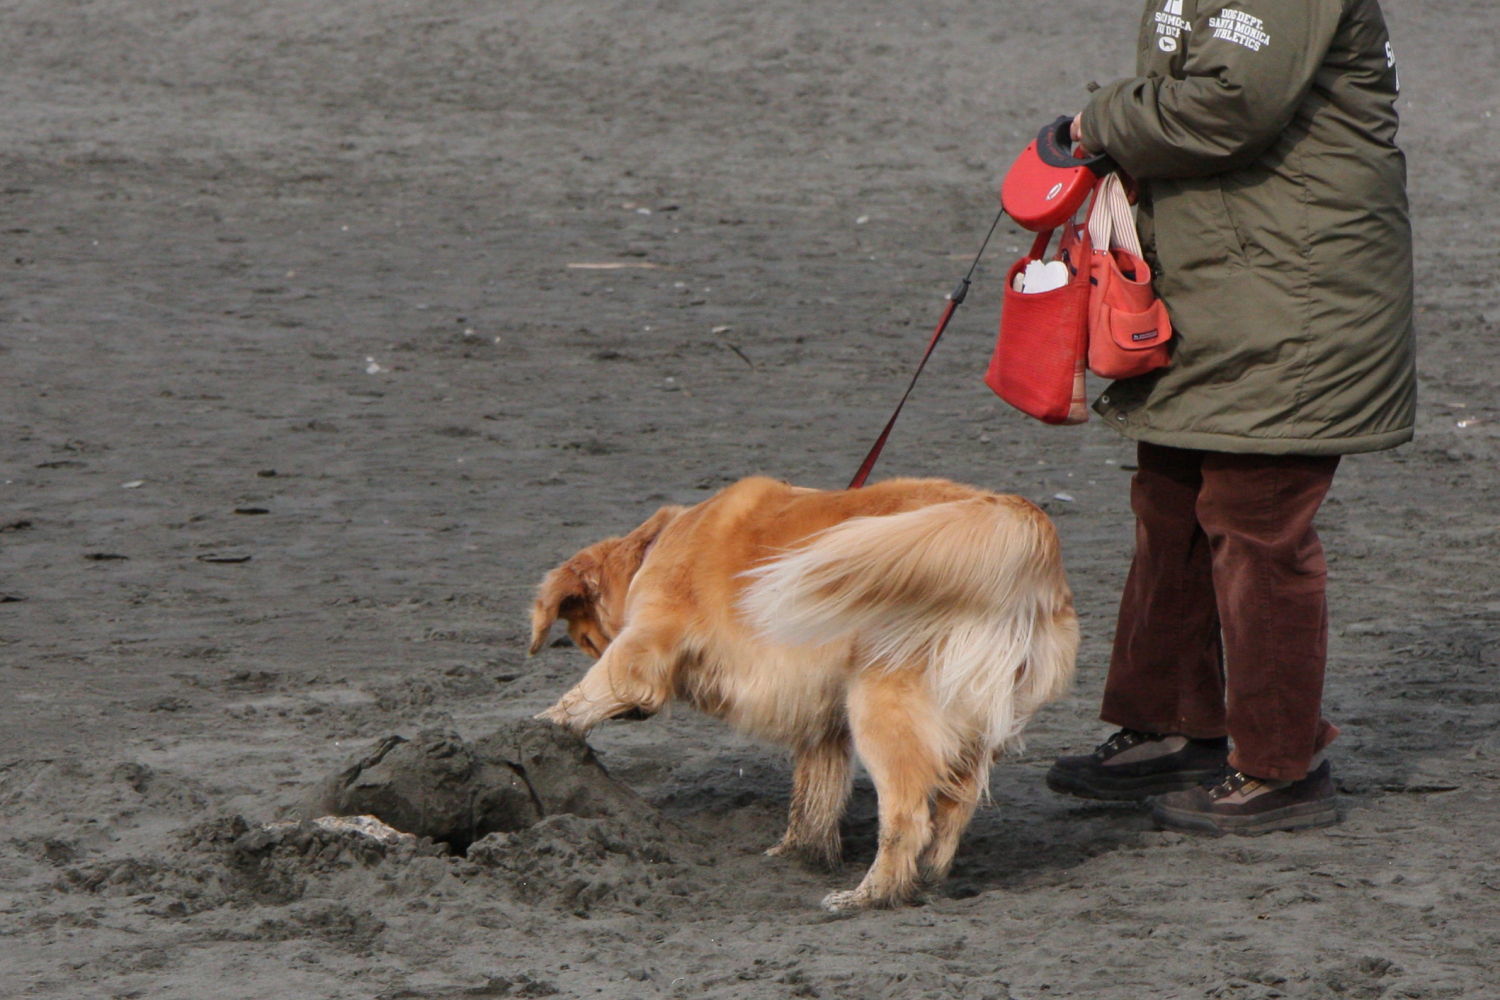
[(305, 390)]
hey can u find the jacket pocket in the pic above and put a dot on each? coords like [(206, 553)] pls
[(1193, 232), (1231, 226)]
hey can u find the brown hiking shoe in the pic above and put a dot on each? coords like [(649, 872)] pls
[(1243, 804), (1131, 766)]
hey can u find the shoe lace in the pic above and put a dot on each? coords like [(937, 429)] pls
[(1122, 741), (1227, 783)]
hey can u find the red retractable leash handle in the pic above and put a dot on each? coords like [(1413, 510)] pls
[(1051, 178), (1044, 187), (955, 297)]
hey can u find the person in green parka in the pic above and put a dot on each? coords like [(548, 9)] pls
[(1273, 211)]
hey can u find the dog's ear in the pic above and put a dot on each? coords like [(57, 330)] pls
[(632, 548), (605, 567), (575, 580)]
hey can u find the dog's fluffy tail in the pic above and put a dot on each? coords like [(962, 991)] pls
[(973, 590)]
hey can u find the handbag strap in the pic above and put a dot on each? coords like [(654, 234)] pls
[(1039, 245), (1111, 223)]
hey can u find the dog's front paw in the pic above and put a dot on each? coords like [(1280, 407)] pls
[(561, 715), (848, 901)]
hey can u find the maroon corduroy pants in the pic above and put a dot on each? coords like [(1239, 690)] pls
[(1223, 626)]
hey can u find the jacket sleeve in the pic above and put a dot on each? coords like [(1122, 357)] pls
[(1247, 67)]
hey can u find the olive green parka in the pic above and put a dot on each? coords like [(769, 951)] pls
[(1275, 216)]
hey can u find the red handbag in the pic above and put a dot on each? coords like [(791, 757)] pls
[(1038, 362), (1129, 331)]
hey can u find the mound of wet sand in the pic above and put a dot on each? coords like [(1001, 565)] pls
[(529, 805), (524, 819), (443, 788)]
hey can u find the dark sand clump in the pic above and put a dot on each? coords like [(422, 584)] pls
[(437, 785)]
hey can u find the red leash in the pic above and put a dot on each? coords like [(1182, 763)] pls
[(959, 293)]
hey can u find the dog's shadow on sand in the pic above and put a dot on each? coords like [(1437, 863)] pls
[(1024, 836), (1020, 838), (1041, 839)]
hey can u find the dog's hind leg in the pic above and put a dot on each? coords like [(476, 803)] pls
[(894, 723), (633, 674), (953, 807), (820, 788)]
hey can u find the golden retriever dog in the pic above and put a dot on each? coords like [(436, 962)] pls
[(919, 621)]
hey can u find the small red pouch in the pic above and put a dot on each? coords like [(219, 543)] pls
[(1038, 362), (1129, 332)]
